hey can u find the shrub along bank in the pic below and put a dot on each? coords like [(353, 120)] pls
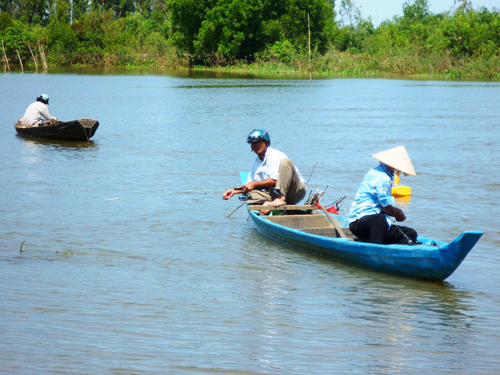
[(257, 35)]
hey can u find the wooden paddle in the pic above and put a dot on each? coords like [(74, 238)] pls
[(332, 220)]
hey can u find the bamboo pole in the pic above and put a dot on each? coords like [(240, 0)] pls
[(42, 56), (20, 61), (6, 61), (309, 28), (44, 60), (34, 58)]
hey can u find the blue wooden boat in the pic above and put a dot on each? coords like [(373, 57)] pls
[(316, 231), (312, 232)]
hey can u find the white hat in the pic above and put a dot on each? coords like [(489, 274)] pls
[(397, 158)]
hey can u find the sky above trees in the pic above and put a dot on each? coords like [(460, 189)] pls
[(382, 10)]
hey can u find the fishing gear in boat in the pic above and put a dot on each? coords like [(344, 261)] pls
[(335, 206), (316, 197)]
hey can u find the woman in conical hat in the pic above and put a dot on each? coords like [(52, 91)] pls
[(398, 159), (371, 212)]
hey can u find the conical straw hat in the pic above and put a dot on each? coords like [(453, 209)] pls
[(397, 158)]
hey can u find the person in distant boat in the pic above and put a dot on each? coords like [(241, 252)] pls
[(34, 113), (274, 179), (373, 207)]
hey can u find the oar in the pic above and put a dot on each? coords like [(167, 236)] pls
[(334, 222)]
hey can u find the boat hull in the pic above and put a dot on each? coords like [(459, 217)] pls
[(77, 130), (430, 261)]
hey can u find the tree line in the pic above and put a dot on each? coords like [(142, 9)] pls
[(286, 34)]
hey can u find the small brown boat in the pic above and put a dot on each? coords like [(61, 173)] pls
[(76, 130)]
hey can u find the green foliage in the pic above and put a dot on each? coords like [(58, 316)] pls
[(471, 33), (415, 11), (5, 21), (355, 31), (265, 35), (17, 36), (238, 29), (283, 52), (31, 11), (80, 7), (230, 29)]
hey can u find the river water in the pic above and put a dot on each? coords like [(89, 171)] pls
[(130, 264)]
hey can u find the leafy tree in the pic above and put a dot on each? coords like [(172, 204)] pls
[(349, 13), (6, 21), (120, 7), (471, 33), (355, 31), (61, 11), (31, 11), (416, 10), (7, 7), (464, 6), (80, 7), (236, 29)]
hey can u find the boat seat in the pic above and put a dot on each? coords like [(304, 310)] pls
[(301, 221), (330, 232), (314, 224)]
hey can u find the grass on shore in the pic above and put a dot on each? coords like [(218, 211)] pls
[(333, 63)]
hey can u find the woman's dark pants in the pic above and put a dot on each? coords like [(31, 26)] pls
[(375, 229)]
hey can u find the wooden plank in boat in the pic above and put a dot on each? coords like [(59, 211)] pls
[(289, 207), (300, 221), (330, 232)]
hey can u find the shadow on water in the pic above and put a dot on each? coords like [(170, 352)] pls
[(176, 73), (56, 144), (239, 74)]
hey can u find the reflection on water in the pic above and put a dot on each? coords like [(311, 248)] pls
[(403, 201), (130, 261), (56, 144)]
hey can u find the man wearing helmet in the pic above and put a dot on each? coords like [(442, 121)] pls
[(371, 211), (34, 113), (274, 180)]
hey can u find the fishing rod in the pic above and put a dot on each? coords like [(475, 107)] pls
[(410, 242), (236, 209), (198, 191), (307, 183)]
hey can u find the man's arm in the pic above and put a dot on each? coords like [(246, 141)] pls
[(249, 186), (395, 212), (45, 113), (264, 184)]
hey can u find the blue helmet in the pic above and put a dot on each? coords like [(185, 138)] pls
[(44, 98), (258, 134)]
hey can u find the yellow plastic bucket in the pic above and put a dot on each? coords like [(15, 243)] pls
[(401, 191)]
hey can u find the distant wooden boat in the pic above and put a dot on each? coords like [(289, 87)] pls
[(77, 130), (311, 230)]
